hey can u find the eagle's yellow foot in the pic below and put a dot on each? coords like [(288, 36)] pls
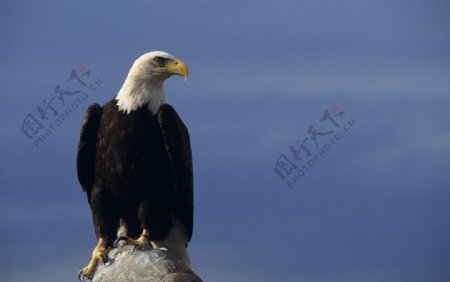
[(142, 243), (100, 253)]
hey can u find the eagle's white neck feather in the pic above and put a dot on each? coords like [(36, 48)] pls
[(137, 91)]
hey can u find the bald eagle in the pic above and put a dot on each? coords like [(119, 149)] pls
[(134, 163)]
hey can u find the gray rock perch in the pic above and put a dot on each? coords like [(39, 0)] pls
[(154, 265)]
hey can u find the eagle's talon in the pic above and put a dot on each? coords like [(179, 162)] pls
[(140, 248), (117, 242), (134, 249), (142, 243), (81, 276), (86, 273), (100, 253)]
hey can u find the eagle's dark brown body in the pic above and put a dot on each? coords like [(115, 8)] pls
[(136, 167)]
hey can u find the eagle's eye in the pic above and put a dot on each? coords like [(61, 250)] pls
[(159, 60)]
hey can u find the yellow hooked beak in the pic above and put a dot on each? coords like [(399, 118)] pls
[(177, 67)]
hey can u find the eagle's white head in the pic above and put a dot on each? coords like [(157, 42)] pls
[(144, 83)]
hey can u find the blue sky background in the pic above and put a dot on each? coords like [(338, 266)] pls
[(375, 207)]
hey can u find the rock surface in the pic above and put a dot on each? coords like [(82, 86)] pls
[(143, 266)]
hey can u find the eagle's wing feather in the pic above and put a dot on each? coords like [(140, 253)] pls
[(87, 148), (176, 138)]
